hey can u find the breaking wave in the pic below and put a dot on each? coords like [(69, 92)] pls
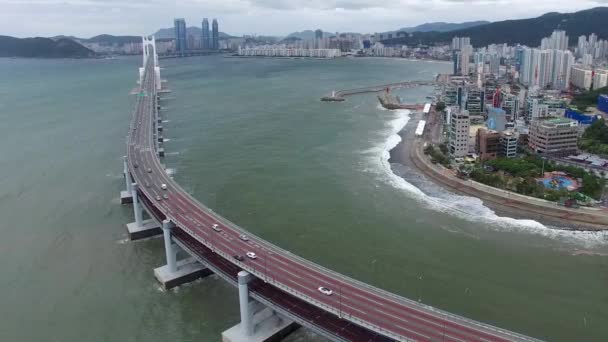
[(465, 207)]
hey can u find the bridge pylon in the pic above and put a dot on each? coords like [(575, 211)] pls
[(177, 272), (258, 323), (126, 196), (141, 229)]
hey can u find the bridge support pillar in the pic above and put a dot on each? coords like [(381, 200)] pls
[(126, 196), (137, 210), (170, 248), (140, 229), (258, 323), (176, 273)]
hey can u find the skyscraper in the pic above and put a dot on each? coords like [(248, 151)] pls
[(318, 34), (205, 36), (180, 35), (215, 39)]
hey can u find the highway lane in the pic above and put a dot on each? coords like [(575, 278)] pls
[(351, 299)]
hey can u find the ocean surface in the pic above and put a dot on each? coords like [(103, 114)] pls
[(250, 138)]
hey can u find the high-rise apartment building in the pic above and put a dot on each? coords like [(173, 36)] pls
[(557, 41), (459, 132), (215, 35), (181, 38), (600, 79), (205, 35), (582, 77), (458, 43), (562, 67)]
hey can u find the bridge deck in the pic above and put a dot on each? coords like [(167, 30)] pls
[(285, 280)]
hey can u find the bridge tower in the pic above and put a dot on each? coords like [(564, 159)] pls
[(149, 51)]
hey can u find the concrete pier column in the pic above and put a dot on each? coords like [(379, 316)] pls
[(169, 250), (137, 209), (258, 323), (128, 179), (246, 324)]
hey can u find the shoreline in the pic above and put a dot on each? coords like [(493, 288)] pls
[(409, 153)]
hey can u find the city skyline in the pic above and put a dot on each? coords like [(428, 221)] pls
[(241, 17)]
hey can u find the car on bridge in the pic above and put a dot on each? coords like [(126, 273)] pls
[(239, 258), (244, 237), (251, 255), (216, 227), (163, 186), (158, 198), (325, 291)]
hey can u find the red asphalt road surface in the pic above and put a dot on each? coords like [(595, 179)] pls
[(389, 315)]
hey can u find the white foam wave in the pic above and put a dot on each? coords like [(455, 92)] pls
[(469, 208)]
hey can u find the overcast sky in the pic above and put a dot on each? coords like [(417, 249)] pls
[(85, 18)]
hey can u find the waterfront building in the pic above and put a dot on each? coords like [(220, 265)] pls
[(180, 35), (582, 77), (205, 35), (215, 35), (459, 132), (487, 144), (554, 136), (508, 144), (277, 51)]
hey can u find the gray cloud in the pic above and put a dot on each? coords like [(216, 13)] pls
[(91, 17)]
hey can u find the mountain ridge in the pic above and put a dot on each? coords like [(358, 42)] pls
[(39, 47), (519, 31)]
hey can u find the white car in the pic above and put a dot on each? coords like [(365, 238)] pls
[(216, 227), (158, 198), (163, 186), (325, 291), (244, 237), (251, 255)]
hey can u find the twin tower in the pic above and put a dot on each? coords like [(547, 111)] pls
[(209, 39)]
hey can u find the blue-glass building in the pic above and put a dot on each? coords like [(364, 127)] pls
[(602, 103), (181, 41), (205, 35), (215, 35)]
